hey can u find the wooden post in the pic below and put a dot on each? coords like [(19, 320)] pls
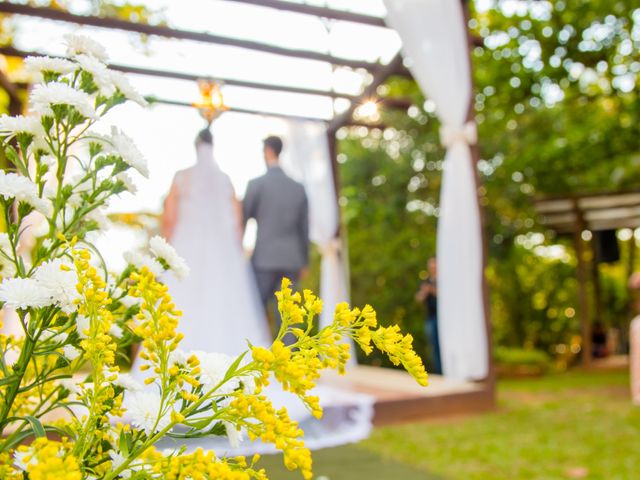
[(583, 299), (475, 158)]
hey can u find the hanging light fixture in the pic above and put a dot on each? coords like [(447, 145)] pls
[(211, 104)]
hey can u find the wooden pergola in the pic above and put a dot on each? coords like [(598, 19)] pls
[(482, 395), (576, 215)]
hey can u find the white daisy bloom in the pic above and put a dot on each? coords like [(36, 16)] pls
[(129, 301), (117, 459), (143, 409), (161, 249), (127, 382), (70, 352), (10, 126), (233, 434), (60, 278), (140, 260), (19, 459), (214, 367), (8, 267), (83, 324), (99, 217), (124, 147), (60, 337), (23, 293), (100, 73), (121, 82), (116, 331), (126, 179), (22, 189), (80, 44), (178, 358), (56, 93), (35, 66)]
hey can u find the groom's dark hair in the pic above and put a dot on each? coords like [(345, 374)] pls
[(274, 143), (205, 136)]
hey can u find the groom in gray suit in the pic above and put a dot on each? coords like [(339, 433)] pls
[(280, 207)]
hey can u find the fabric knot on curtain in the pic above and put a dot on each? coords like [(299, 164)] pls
[(331, 247), (450, 135)]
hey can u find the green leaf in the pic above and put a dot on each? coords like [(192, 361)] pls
[(36, 426), (234, 367)]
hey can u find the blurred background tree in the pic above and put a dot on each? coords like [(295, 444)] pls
[(558, 113)]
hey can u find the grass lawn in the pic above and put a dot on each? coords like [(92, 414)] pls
[(571, 426)]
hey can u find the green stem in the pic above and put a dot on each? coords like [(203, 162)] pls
[(19, 371)]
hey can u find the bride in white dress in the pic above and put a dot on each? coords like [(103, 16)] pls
[(219, 300), (221, 306)]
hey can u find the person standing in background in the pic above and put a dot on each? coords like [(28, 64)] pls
[(280, 207), (428, 295)]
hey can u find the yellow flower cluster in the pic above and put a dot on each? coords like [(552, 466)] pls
[(274, 427), (99, 346), (201, 465), (156, 324), (399, 349), (48, 459)]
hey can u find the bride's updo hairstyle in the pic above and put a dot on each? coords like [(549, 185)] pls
[(204, 136)]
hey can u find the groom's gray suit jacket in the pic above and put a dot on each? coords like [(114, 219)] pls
[(280, 207)]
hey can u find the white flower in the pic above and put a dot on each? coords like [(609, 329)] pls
[(71, 385), (100, 73), (115, 331), (25, 293), (38, 65), (97, 216), (60, 337), (80, 44), (124, 147), (129, 301), (140, 260), (19, 459), (8, 268), (126, 179), (56, 93), (127, 382), (20, 124), (116, 459), (83, 324), (214, 367), (22, 189), (163, 250), (233, 434), (71, 352), (122, 83), (143, 408), (61, 279), (178, 358)]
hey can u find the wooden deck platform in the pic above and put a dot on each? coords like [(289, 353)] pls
[(400, 399)]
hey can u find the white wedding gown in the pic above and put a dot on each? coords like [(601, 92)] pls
[(221, 309)]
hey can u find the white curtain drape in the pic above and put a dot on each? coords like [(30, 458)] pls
[(307, 159), (435, 46)]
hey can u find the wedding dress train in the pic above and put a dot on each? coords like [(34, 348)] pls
[(221, 309)]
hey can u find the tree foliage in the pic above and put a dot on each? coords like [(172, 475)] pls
[(558, 113)]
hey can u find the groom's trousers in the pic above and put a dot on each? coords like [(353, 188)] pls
[(269, 282)]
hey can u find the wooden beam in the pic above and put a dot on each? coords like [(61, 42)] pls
[(323, 12), (13, 52), (167, 32), (378, 78), (180, 103)]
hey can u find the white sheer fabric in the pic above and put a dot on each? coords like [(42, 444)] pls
[(308, 160), (435, 46), (219, 300), (221, 309)]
